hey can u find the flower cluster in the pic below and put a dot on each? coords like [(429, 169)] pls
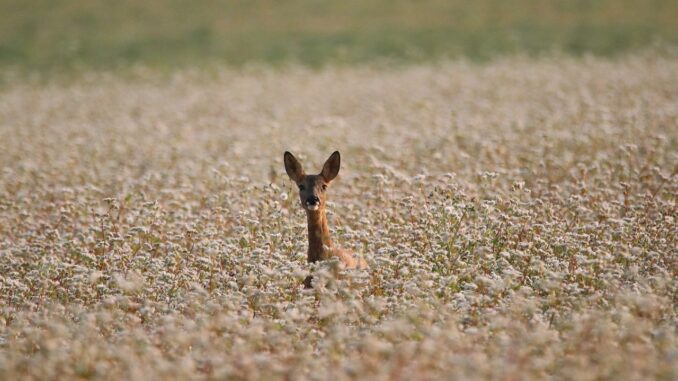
[(519, 219)]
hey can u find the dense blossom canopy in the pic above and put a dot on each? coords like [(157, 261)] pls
[(519, 219)]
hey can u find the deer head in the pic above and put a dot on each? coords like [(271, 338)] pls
[(312, 187)]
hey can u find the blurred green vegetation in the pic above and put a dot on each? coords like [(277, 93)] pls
[(44, 35)]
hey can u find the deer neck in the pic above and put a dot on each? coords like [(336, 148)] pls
[(318, 235)]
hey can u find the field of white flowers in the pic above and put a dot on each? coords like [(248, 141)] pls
[(519, 218)]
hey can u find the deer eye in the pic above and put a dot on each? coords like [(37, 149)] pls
[(324, 187), (301, 187)]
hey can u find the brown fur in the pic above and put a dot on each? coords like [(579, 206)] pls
[(320, 246)]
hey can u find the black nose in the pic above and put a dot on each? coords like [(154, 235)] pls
[(312, 200)]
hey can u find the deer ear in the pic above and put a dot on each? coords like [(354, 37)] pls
[(331, 167), (293, 167)]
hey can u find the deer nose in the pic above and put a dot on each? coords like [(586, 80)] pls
[(312, 200)]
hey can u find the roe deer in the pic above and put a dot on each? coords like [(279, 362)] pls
[(312, 194)]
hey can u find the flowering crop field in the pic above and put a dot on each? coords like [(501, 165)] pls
[(519, 218)]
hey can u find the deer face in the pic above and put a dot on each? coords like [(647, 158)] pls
[(312, 187)]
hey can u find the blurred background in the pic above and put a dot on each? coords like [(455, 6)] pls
[(65, 35)]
